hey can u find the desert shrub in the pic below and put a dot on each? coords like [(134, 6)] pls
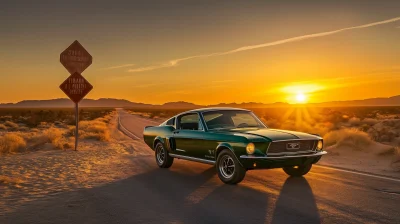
[(370, 121), (11, 142), (354, 121), (3, 127), (394, 123), (364, 127), (96, 129), (55, 136), (11, 125), (382, 134), (33, 117), (62, 143), (348, 137), (23, 128)]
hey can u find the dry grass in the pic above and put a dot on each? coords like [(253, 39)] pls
[(55, 136), (348, 137), (11, 142), (3, 127), (37, 129), (9, 180), (96, 129), (11, 125), (370, 121)]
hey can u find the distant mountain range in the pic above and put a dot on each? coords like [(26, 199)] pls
[(109, 102)]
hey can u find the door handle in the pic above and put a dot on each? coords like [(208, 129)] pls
[(175, 132)]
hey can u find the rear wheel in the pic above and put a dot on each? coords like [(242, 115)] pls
[(162, 157), (297, 171), (228, 168)]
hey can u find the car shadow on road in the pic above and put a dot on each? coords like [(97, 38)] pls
[(296, 203), (182, 194)]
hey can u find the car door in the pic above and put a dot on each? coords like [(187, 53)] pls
[(189, 136)]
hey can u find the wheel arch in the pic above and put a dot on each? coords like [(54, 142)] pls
[(157, 140), (223, 146)]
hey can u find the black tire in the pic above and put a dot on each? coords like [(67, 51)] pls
[(297, 171), (162, 157), (228, 168)]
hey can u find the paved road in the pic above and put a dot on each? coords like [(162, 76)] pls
[(190, 192)]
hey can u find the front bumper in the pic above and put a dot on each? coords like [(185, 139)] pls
[(268, 162)]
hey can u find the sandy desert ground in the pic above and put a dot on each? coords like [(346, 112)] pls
[(30, 176)]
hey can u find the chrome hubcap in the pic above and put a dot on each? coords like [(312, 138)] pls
[(227, 166), (160, 154)]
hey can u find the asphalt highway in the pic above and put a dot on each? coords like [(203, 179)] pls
[(191, 192)]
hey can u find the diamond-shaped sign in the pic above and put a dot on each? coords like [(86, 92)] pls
[(75, 58), (76, 87)]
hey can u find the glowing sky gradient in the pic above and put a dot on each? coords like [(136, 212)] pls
[(204, 52)]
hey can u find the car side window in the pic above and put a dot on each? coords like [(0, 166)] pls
[(190, 122), (171, 122)]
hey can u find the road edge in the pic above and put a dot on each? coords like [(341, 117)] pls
[(338, 168), (126, 131)]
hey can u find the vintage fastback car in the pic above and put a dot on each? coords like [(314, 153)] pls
[(234, 140)]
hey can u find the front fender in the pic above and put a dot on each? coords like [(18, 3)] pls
[(225, 145)]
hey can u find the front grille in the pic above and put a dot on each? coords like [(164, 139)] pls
[(292, 146)]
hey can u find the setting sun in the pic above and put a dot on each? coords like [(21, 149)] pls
[(301, 98), (298, 93)]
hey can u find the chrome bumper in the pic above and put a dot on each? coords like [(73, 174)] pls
[(283, 156)]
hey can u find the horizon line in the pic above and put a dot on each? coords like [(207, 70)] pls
[(180, 101)]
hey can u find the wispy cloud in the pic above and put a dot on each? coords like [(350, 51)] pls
[(118, 66), (175, 62)]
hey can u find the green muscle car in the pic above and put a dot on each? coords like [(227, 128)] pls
[(234, 140)]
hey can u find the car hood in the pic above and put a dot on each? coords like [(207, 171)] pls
[(274, 134)]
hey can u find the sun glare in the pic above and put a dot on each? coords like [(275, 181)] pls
[(301, 93), (301, 98)]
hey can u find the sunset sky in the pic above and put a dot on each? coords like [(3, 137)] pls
[(204, 52)]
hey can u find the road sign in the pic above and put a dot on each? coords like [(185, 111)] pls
[(75, 58), (76, 87)]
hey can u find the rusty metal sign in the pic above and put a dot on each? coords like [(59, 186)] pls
[(75, 58), (76, 87)]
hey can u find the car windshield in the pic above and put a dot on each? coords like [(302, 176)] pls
[(231, 119)]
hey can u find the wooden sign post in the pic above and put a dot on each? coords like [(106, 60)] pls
[(76, 59)]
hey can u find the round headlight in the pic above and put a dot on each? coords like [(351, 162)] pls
[(320, 145), (250, 148)]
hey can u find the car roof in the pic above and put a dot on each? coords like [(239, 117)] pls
[(207, 109)]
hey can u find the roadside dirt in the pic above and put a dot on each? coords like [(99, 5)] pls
[(372, 159), (31, 176)]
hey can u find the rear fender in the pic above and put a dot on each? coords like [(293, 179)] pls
[(156, 140), (168, 143)]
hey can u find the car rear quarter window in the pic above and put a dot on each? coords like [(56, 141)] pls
[(190, 122)]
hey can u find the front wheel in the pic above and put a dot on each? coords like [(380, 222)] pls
[(228, 168), (297, 171), (162, 157)]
